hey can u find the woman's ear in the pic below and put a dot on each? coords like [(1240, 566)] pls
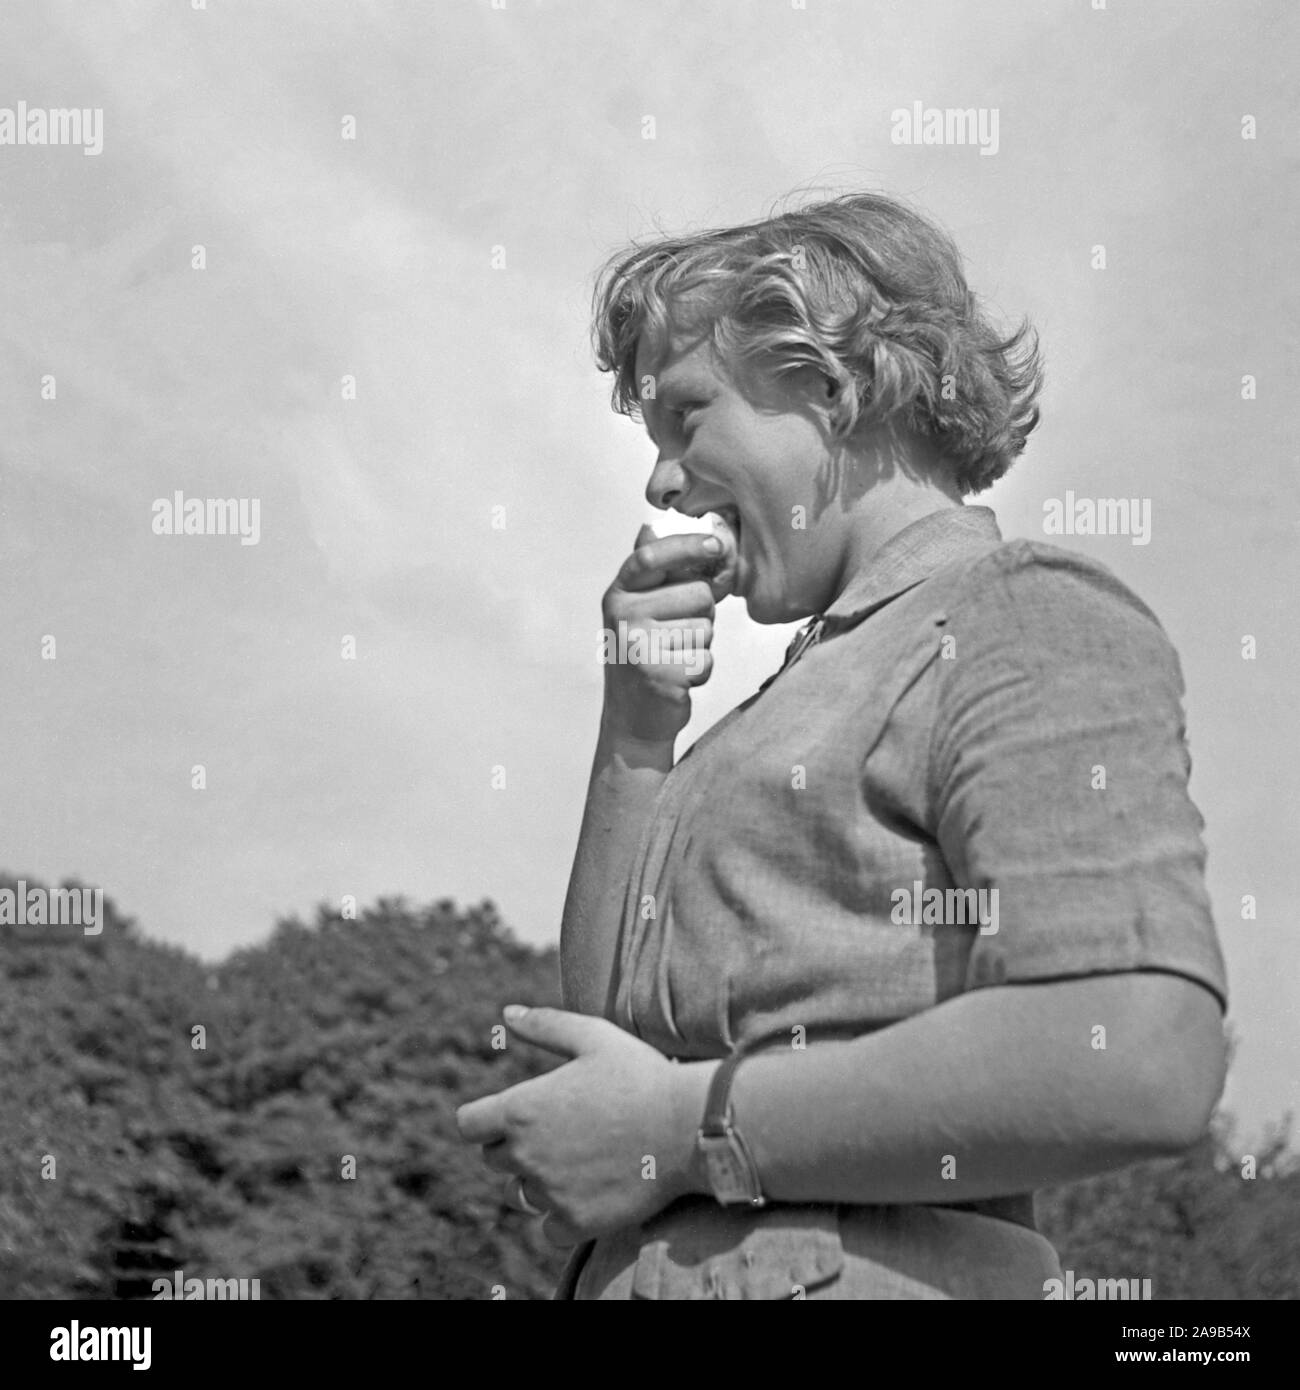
[(815, 389)]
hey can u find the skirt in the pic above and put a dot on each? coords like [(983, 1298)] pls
[(697, 1249)]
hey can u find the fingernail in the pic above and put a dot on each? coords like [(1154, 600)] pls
[(512, 1013), (712, 544)]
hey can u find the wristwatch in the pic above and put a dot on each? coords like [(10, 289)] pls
[(730, 1166)]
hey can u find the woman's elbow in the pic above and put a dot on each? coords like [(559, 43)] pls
[(1185, 1067)]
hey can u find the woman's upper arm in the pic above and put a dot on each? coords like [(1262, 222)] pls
[(1145, 1049)]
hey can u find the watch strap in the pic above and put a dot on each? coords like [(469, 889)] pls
[(717, 1106)]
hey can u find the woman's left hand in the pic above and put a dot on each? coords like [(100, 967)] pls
[(605, 1141)]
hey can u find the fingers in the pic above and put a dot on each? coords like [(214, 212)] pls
[(497, 1157), (673, 603), (559, 1232), (703, 669), (483, 1121), (653, 564), (521, 1197), (565, 1032), (683, 634)]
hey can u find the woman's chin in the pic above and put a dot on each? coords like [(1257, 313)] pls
[(760, 607), (763, 606), (770, 608)]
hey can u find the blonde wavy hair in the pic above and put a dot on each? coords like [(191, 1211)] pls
[(862, 288)]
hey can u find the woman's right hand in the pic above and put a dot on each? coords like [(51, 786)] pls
[(662, 602)]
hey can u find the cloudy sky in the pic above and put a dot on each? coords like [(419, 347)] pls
[(443, 258)]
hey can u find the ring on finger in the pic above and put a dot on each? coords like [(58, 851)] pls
[(520, 1198)]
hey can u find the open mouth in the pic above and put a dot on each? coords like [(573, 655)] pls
[(728, 525), (731, 515), (725, 523)]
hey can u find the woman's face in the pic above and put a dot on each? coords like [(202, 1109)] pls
[(757, 450)]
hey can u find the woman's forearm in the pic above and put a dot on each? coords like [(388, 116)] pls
[(626, 776), (995, 1092)]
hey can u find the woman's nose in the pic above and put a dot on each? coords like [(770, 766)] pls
[(667, 483)]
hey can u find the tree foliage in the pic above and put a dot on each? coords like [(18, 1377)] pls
[(289, 1116)]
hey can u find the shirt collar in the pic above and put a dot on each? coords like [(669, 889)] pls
[(911, 556)]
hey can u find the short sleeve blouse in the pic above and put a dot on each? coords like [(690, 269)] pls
[(971, 772), (1003, 717)]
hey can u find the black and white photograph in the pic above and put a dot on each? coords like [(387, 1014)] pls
[(646, 659)]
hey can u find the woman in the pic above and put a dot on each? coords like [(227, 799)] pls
[(919, 927)]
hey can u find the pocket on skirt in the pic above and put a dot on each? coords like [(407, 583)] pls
[(705, 1251)]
